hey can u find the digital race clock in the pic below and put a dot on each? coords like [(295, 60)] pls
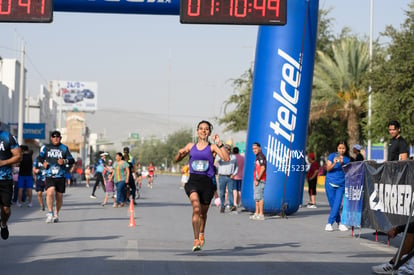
[(242, 12), (26, 11)]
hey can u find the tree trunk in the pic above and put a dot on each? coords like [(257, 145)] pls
[(352, 128)]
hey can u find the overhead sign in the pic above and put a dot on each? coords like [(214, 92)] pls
[(38, 11), (75, 96), (119, 6), (247, 12), (134, 135)]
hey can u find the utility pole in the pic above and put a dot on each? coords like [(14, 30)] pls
[(21, 98), (370, 88)]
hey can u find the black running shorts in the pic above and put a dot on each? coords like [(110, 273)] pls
[(202, 185), (6, 192), (58, 183)]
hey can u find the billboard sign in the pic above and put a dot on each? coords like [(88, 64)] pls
[(76, 96)]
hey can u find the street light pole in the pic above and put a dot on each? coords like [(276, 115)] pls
[(370, 88), (21, 99)]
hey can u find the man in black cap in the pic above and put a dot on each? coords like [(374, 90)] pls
[(55, 156)]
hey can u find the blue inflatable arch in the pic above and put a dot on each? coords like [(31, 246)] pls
[(282, 85)]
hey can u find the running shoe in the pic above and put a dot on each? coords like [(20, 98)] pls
[(49, 217), (4, 232), (260, 218), (342, 227), (253, 217), (30, 205), (233, 208), (202, 240), (55, 219), (386, 268), (19, 204), (196, 246), (329, 227), (93, 197)]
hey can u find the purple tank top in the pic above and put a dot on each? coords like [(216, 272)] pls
[(201, 161)]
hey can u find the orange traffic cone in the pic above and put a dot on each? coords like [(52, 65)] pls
[(131, 213), (132, 220), (131, 206)]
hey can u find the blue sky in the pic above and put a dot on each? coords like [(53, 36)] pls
[(155, 65)]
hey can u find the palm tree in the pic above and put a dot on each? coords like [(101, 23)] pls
[(339, 90)]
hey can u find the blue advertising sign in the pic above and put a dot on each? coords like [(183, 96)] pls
[(31, 130), (279, 109), (34, 130), (352, 203)]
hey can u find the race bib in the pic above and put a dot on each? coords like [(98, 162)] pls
[(55, 170), (200, 165)]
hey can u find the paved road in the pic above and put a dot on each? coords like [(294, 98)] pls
[(91, 239)]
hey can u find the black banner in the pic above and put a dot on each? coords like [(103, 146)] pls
[(387, 194)]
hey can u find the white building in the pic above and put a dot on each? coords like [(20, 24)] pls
[(9, 90), (39, 109)]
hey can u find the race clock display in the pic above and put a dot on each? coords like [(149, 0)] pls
[(26, 11), (240, 12)]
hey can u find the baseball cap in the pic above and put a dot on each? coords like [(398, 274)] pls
[(55, 134), (311, 155), (357, 147), (103, 154)]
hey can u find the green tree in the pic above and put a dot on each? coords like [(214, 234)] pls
[(325, 34), (320, 141), (392, 81), (236, 108), (339, 87), (160, 152), (236, 119)]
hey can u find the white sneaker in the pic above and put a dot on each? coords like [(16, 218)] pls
[(30, 205), (253, 217), (49, 217), (311, 206), (260, 218), (329, 227), (19, 204), (382, 269), (342, 227)]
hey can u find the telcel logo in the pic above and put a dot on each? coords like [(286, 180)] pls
[(286, 114), (279, 152)]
